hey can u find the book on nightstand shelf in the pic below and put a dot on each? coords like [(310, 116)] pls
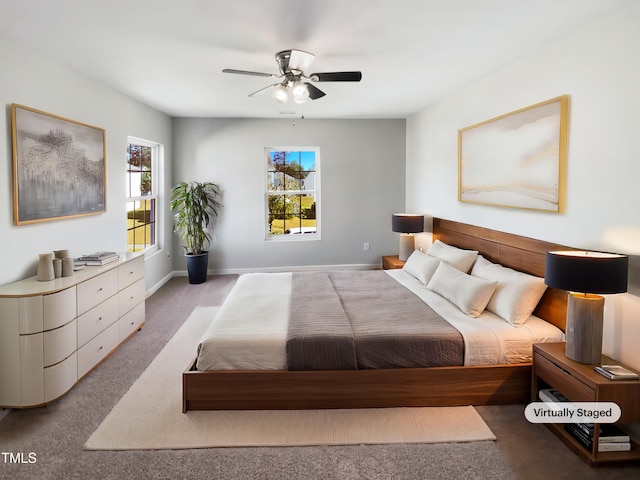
[(551, 395), (605, 443), (616, 372), (608, 432), (610, 439)]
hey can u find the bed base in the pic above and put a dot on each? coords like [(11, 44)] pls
[(410, 387), (404, 387)]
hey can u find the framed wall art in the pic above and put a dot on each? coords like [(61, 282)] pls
[(59, 167), (516, 160)]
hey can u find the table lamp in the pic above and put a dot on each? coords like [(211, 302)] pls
[(586, 275), (407, 224)]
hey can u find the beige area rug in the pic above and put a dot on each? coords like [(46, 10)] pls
[(149, 416)]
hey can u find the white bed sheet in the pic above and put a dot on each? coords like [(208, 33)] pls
[(249, 332), (488, 339)]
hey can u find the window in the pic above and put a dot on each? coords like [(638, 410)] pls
[(293, 193), (142, 194)]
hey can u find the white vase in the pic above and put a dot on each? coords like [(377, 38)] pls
[(57, 267), (67, 267), (45, 267)]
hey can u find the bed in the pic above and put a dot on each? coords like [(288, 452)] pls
[(358, 370)]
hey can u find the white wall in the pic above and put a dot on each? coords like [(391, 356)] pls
[(597, 67), (362, 165), (32, 80)]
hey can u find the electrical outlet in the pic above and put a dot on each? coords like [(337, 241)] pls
[(366, 246)]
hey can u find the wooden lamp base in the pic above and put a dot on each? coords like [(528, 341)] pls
[(585, 315)]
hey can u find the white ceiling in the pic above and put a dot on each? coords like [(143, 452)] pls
[(169, 54)]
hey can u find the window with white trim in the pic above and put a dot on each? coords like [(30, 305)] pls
[(143, 159), (292, 193)]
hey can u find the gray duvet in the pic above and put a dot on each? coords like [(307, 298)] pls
[(365, 319)]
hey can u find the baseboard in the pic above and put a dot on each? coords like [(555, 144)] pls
[(159, 284), (297, 268), (240, 271)]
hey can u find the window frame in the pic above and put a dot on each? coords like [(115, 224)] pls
[(316, 192), (157, 156)]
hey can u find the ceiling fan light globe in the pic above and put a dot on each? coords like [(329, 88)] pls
[(280, 94), (300, 92)]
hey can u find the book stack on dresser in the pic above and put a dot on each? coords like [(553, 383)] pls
[(98, 258)]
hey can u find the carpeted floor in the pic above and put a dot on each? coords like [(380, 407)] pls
[(55, 435), (149, 416)]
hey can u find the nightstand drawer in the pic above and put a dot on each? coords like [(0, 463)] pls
[(562, 380)]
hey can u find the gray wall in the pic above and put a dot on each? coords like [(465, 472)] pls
[(30, 79), (362, 184), (592, 65)]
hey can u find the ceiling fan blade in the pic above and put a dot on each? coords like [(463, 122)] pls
[(262, 89), (300, 60), (247, 72), (314, 92), (336, 77)]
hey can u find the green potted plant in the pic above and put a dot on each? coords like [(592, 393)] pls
[(196, 206)]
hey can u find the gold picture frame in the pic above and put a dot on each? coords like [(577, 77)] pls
[(59, 167), (516, 160)]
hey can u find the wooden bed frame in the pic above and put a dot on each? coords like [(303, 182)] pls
[(437, 386)]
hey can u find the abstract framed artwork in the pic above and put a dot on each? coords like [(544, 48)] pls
[(516, 160), (59, 167)]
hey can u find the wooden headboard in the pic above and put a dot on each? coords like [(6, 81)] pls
[(513, 251)]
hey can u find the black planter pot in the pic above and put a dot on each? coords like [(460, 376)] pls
[(197, 266)]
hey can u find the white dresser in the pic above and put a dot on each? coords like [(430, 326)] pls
[(53, 333)]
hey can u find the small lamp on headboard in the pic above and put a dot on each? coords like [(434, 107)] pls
[(585, 275), (407, 224)]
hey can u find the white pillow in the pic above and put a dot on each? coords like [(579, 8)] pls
[(517, 293), (469, 294), (459, 258), (421, 266)]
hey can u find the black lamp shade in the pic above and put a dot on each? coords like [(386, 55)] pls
[(587, 272), (407, 223)]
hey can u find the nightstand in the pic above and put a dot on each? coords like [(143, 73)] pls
[(391, 262), (578, 382)]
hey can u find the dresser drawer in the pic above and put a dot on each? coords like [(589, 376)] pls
[(31, 370), (97, 290), (59, 378), (30, 310), (98, 348), (59, 308), (563, 381), (130, 272), (97, 319), (59, 343), (130, 297), (131, 321)]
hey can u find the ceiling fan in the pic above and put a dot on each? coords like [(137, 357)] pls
[(293, 65)]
